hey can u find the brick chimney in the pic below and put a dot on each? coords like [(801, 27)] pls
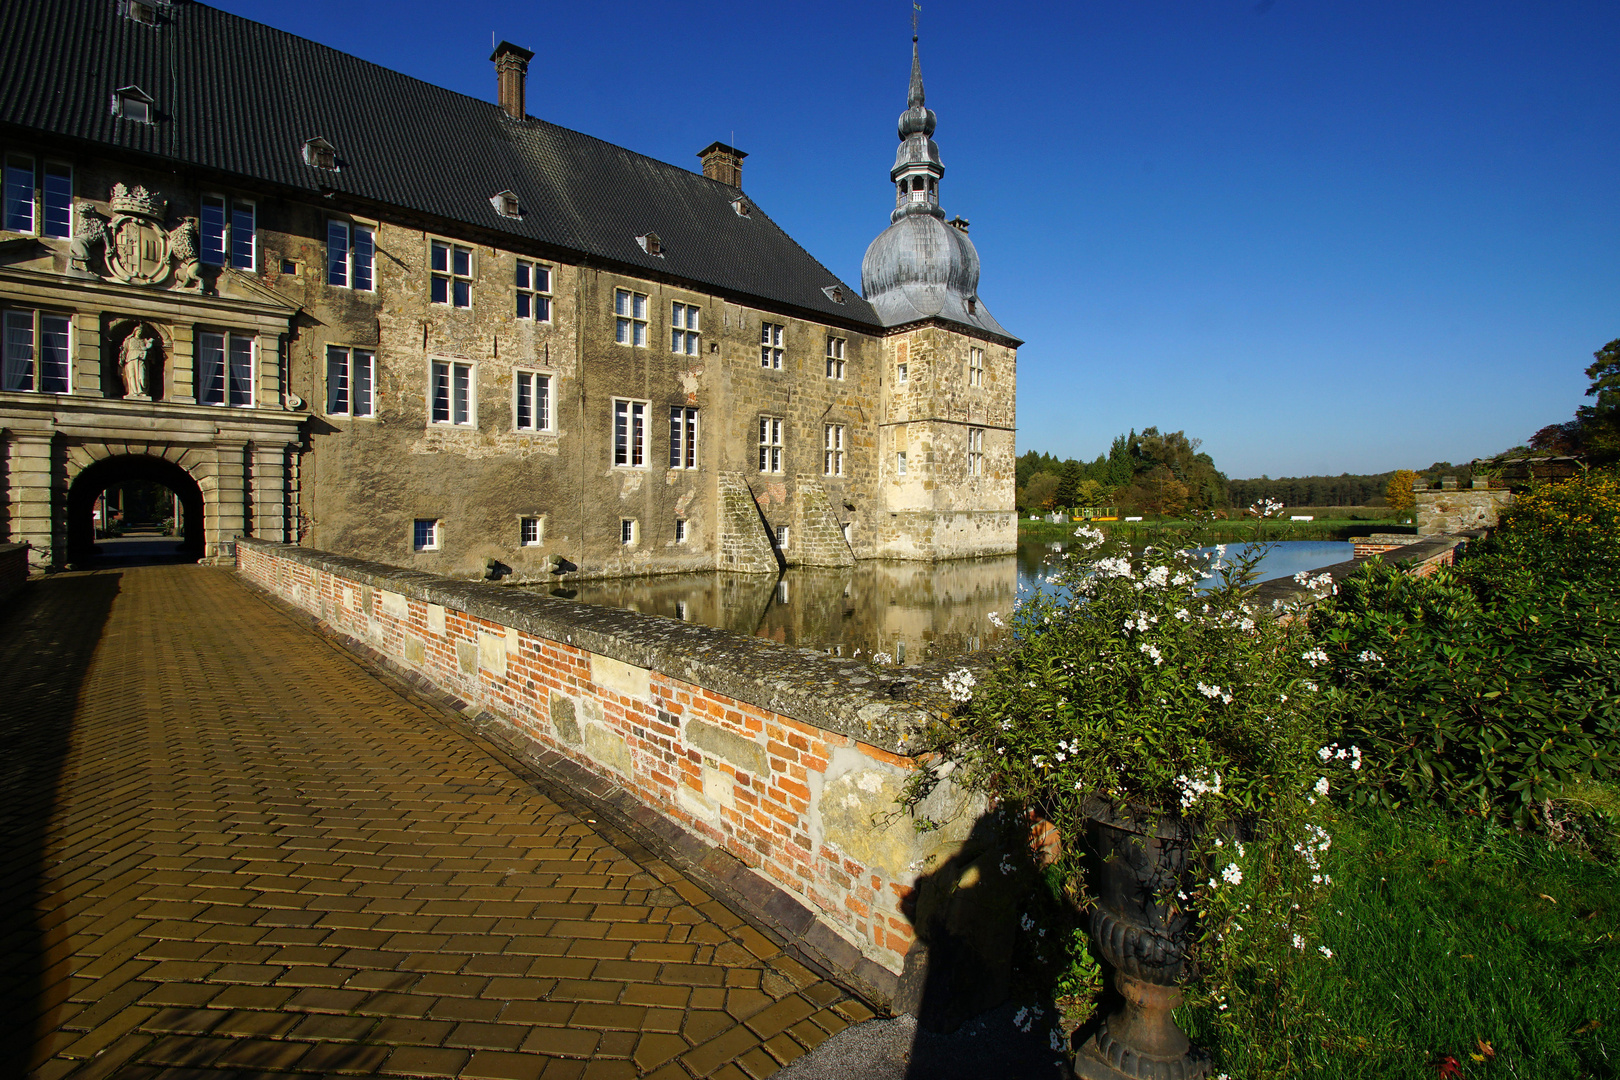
[(511, 72), (722, 163)]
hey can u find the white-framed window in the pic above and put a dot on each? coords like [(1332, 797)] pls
[(56, 200), (224, 369), (453, 393), (680, 537), (782, 542), (35, 351), (531, 532), (628, 531), (533, 291), (770, 444), (133, 104), (833, 450), (975, 366), (901, 373), (684, 331), (451, 266), (770, 345), (900, 463), (630, 313), (351, 255), (351, 380), (975, 451), (19, 193), (683, 437), (228, 232), (425, 534), (532, 404), (629, 434), (835, 357)]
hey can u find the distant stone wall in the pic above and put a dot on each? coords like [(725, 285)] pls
[(788, 759), (13, 568), (1449, 510)]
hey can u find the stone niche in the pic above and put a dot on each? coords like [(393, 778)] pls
[(135, 355)]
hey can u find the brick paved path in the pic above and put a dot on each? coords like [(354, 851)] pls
[(228, 848)]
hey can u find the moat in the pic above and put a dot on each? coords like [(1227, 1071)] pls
[(912, 611)]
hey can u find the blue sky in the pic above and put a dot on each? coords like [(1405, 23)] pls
[(1320, 237)]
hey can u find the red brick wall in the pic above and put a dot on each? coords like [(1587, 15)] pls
[(764, 819)]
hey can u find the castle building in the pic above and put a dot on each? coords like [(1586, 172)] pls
[(329, 304)]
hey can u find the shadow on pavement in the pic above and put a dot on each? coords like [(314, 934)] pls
[(47, 640)]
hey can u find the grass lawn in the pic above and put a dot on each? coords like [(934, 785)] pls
[(1446, 932)]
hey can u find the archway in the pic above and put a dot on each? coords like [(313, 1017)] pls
[(132, 469)]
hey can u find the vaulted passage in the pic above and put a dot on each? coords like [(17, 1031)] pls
[(232, 846), (86, 519)]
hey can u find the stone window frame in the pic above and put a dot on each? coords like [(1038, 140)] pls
[(685, 334), (630, 433), (29, 173), (630, 328), (784, 536), (899, 463), (430, 538), (684, 437), (975, 366), (228, 381), (832, 440), (772, 443), (456, 285), (468, 400), (234, 211), (835, 357), (772, 345), (35, 318), (352, 263), (531, 530), (526, 282), (351, 397), (542, 404), (975, 451), (683, 534), (902, 372), (629, 532)]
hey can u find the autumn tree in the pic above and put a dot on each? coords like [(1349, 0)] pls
[(1399, 494)]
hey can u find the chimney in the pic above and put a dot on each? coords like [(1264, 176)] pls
[(723, 163), (511, 71)]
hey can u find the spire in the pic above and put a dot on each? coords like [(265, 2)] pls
[(917, 168)]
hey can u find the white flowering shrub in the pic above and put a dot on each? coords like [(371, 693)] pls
[(1128, 686)]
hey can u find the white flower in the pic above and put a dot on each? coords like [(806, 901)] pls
[(1325, 753), (1115, 567), (1057, 1039), (1321, 785), (1314, 657), (960, 684), (1152, 653), (1194, 788), (1211, 692), (1325, 951), (1369, 657), (1158, 577), (1299, 942), (1021, 1019), (1233, 874), (1312, 687), (882, 658), (1355, 757), (997, 621), (1026, 923), (1089, 537), (1183, 616)]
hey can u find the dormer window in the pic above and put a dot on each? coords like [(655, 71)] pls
[(506, 204), (132, 103), (834, 293), (651, 244), (320, 154), (741, 207), (141, 11)]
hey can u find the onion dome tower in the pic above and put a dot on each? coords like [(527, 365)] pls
[(920, 267)]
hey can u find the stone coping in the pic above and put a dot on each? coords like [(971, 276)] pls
[(886, 708), (1287, 591)]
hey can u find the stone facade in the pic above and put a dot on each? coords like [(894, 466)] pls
[(795, 460), (1448, 510), (789, 760)]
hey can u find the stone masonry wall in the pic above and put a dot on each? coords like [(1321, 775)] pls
[(1449, 510), (789, 759), (13, 568)]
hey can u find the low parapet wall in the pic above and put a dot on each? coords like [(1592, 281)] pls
[(788, 759)]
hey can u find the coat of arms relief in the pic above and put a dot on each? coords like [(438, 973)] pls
[(132, 245)]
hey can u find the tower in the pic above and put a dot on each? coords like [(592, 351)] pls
[(946, 397)]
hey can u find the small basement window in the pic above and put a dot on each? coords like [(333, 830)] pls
[(530, 533), (425, 534)]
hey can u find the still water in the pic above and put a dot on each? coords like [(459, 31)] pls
[(913, 611)]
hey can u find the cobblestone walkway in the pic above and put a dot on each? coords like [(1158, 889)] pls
[(230, 849)]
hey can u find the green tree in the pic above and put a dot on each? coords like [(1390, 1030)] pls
[(1041, 491)]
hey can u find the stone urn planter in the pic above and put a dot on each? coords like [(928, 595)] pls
[(1134, 862)]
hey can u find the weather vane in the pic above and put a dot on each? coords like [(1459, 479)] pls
[(915, 8)]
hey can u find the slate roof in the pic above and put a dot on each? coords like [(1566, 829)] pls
[(242, 98)]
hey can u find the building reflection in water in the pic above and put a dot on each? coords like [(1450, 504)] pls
[(913, 611)]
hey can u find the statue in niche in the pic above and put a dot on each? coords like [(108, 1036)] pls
[(89, 238), (135, 362)]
